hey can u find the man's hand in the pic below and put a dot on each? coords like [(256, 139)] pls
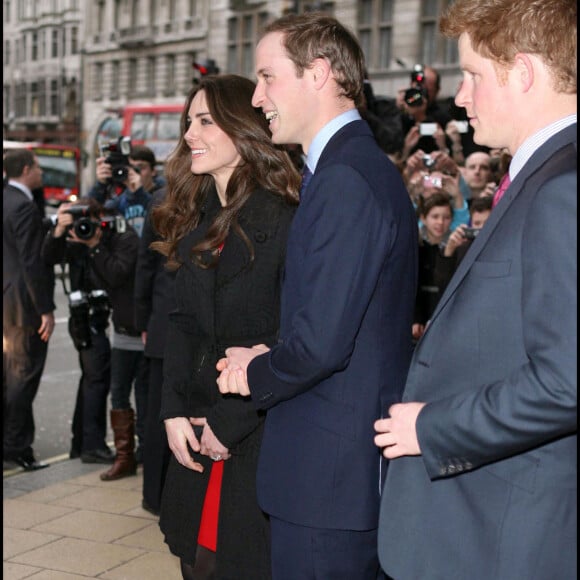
[(456, 239), (233, 368), (104, 171), (46, 326), (64, 220), (179, 434), (398, 434)]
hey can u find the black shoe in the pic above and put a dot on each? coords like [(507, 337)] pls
[(74, 453), (27, 462), (149, 509), (98, 456)]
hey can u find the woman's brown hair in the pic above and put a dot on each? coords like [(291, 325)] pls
[(263, 165)]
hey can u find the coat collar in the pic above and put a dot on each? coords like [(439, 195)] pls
[(258, 218)]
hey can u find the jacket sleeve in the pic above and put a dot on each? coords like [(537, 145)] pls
[(176, 374), (233, 419), (37, 275), (114, 263)]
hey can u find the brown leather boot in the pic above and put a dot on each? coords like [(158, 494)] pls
[(123, 425)]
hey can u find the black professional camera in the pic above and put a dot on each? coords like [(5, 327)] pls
[(416, 94), (116, 154), (89, 312), (85, 226)]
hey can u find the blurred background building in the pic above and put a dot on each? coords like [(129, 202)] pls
[(71, 67)]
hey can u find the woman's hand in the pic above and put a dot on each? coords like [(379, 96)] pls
[(179, 435)]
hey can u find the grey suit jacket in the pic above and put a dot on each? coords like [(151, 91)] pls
[(27, 282), (493, 495)]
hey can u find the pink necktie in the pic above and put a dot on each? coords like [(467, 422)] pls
[(504, 183)]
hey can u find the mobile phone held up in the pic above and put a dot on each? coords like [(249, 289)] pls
[(462, 126), (427, 128)]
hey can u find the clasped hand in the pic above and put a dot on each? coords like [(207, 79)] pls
[(181, 436), (233, 369)]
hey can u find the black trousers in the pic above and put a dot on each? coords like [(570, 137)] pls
[(24, 356), (156, 453), (89, 427)]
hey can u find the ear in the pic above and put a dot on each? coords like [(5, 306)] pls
[(320, 72), (523, 70)]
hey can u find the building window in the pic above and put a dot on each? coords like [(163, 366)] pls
[(135, 13), (170, 87), (20, 100), (375, 31), (34, 55), (42, 44), (53, 98), (100, 16), (151, 76), (172, 11), (54, 50), (115, 70), (74, 40), (299, 6), (6, 11), (132, 80), (7, 104), (98, 81), (243, 33), (116, 11), (434, 47), (7, 45), (42, 98), (192, 8), (34, 105)]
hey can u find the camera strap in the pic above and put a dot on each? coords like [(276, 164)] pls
[(62, 277)]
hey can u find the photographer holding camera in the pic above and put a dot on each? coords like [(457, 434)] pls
[(424, 121), (126, 179), (101, 251)]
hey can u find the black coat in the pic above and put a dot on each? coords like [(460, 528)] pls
[(28, 283), (237, 303)]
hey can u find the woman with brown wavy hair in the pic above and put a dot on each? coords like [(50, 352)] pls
[(230, 200)]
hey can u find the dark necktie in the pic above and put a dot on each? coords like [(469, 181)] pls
[(504, 183), (306, 177)]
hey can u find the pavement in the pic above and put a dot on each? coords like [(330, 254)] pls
[(64, 523)]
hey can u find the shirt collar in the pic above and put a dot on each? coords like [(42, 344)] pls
[(23, 188), (533, 143), (325, 134)]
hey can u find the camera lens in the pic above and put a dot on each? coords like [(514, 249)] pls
[(414, 97), (84, 228)]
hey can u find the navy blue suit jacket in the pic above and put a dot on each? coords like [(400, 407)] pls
[(345, 339), (493, 494)]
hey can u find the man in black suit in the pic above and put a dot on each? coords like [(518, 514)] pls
[(28, 305)]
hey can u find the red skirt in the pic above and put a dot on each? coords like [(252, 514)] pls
[(208, 527)]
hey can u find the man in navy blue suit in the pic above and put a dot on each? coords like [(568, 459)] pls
[(483, 476), (347, 304)]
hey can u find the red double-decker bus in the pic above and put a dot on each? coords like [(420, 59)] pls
[(61, 169)]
